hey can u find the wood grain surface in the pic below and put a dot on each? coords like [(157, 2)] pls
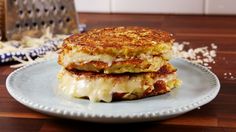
[(218, 115)]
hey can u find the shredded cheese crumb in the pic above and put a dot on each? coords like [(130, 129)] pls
[(229, 76), (48, 56), (27, 43), (201, 55)]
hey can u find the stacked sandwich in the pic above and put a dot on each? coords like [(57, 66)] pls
[(121, 63)]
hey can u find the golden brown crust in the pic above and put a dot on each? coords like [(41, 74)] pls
[(123, 41), (120, 36)]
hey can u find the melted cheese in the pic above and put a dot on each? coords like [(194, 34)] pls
[(101, 89), (85, 58), (80, 57), (96, 89)]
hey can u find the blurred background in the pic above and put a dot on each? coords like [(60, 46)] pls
[(202, 7)]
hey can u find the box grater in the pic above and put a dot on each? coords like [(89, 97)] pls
[(32, 17)]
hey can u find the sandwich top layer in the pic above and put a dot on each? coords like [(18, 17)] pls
[(120, 42)]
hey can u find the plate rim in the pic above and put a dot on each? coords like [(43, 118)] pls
[(80, 115)]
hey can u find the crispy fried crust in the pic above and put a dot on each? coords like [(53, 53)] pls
[(120, 41)]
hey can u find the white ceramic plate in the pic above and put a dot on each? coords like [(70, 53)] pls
[(34, 86)]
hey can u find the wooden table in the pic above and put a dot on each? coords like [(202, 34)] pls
[(218, 115)]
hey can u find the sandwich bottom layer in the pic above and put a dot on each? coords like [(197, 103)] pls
[(110, 87)]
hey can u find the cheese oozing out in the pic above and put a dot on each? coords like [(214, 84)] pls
[(80, 57), (102, 89)]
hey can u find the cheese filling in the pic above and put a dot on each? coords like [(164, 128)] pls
[(101, 89), (79, 57)]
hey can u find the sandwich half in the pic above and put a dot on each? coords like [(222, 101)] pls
[(110, 87), (117, 50)]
